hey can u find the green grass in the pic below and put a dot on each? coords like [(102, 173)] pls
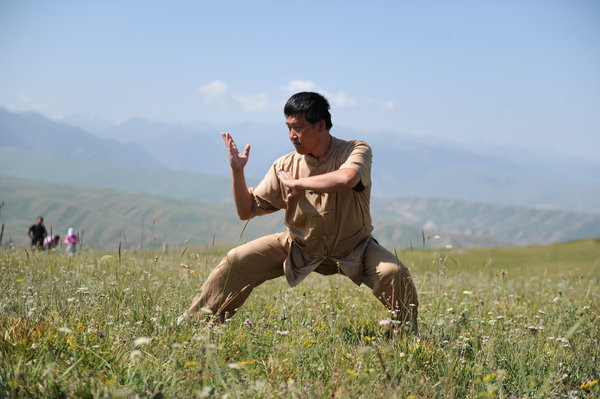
[(495, 323)]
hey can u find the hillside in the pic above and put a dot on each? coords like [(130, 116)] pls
[(493, 224), (61, 170), (109, 216)]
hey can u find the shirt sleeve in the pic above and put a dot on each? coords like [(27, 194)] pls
[(267, 195), (360, 160)]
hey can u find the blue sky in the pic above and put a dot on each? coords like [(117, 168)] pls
[(499, 72)]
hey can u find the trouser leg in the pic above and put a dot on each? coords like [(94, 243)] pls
[(392, 284), (243, 268)]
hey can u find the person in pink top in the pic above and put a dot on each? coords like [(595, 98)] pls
[(71, 241)]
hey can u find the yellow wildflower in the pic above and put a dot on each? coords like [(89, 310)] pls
[(588, 384), (352, 373), (489, 377)]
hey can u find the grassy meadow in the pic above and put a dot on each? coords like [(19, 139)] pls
[(495, 323)]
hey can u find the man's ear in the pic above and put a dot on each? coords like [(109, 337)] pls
[(321, 124)]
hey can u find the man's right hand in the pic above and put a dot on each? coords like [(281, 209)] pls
[(237, 160)]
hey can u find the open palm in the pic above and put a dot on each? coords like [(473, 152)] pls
[(237, 160)]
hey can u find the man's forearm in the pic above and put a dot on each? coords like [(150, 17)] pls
[(339, 180), (241, 194)]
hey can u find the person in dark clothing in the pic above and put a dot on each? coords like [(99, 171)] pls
[(37, 232)]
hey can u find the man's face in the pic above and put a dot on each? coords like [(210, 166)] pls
[(40, 221), (305, 137)]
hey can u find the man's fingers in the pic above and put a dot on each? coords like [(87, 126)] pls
[(247, 150)]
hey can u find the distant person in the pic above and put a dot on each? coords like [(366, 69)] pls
[(71, 241), (51, 242), (324, 188), (37, 232)]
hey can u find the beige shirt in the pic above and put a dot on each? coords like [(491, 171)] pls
[(321, 226)]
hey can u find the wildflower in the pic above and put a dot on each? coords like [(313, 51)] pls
[(369, 339), (205, 392), (206, 311), (285, 332), (19, 280), (70, 299), (80, 326), (384, 322), (65, 330), (240, 365), (489, 377), (135, 355), (588, 384), (352, 373), (141, 341), (248, 322), (191, 363), (468, 293), (101, 335)]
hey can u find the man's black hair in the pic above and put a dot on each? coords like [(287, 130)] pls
[(312, 106)]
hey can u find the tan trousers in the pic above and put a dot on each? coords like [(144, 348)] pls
[(251, 264)]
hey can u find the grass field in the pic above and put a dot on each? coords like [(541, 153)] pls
[(495, 323)]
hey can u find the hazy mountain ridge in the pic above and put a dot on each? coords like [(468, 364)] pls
[(402, 165), (33, 132)]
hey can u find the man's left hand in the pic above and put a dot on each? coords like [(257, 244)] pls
[(290, 183)]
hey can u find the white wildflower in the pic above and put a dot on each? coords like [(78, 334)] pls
[(135, 355), (141, 341)]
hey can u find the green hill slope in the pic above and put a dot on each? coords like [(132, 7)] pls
[(107, 217)]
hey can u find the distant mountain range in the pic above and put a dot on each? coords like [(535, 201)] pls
[(32, 132), (402, 165), (420, 189)]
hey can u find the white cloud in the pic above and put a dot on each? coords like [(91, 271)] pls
[(295, 86), (214, 91), (252, 102), (388, 105), (341, 99)]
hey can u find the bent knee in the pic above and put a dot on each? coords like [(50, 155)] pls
[(390, 270)]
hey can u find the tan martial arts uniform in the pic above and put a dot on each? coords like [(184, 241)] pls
[(327, 233)]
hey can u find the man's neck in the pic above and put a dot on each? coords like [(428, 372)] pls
[(324, 148)]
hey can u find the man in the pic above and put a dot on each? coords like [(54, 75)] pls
[(324, 188), (37, 232)]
